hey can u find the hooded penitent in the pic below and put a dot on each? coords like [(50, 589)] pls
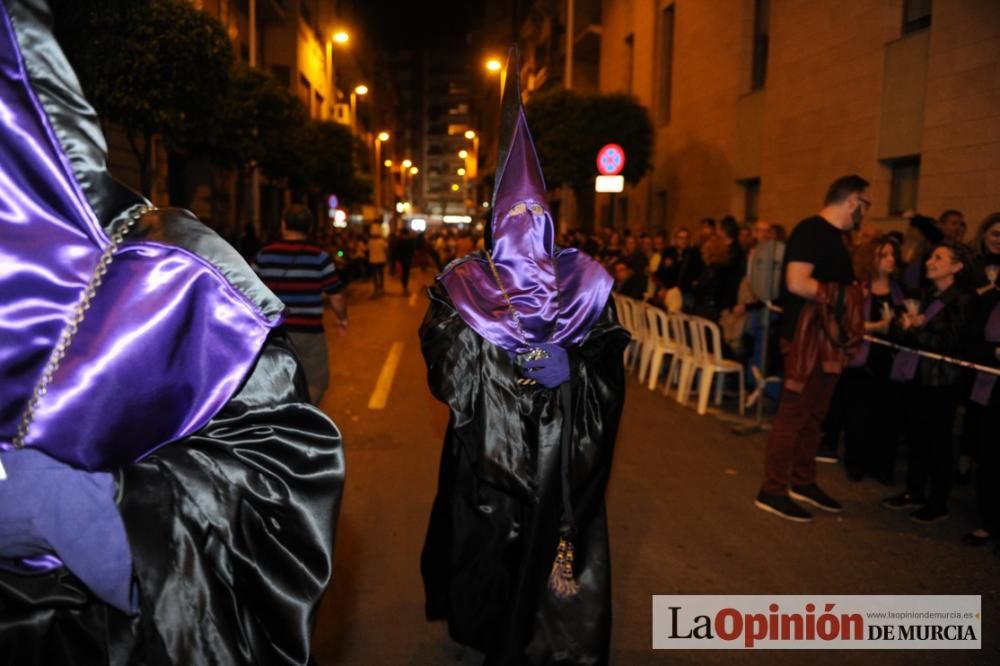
[(96, 368), (558, 293)]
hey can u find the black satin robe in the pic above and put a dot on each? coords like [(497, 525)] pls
[(495, 523), (231, 532)]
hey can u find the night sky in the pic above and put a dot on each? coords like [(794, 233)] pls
[(415, 24)]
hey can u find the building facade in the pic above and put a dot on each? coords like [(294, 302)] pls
[(758, 105)]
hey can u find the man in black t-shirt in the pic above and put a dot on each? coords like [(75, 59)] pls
[(816, 253)]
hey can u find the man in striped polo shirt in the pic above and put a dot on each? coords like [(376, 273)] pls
[(304, 278)]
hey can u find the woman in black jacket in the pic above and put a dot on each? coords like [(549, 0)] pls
[(931, 391), (984, 349)]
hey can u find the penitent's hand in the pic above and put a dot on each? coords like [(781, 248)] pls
[(48, 507), (550, 372)]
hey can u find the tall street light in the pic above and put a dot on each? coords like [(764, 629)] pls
[(380, 138), (359, 91), (338, 38), (471, 164)]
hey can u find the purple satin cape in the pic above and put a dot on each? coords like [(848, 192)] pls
[(558, 293), (169, 337)]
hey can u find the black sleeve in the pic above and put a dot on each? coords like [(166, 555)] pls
[(231, 532)]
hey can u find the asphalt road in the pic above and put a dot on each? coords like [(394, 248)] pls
[(681, 515)]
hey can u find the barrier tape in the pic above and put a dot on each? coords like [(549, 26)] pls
[(933, 356)]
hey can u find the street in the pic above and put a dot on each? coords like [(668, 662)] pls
[(680, 507)]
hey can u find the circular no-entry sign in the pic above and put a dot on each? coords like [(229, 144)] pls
[(611, 160)]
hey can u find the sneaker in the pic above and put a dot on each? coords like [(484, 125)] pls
[(929, 514), (977, 537), (782, 507), (826, 455), (812, 494), (902, 501)]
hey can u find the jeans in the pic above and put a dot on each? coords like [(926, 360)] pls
[(795, 434)]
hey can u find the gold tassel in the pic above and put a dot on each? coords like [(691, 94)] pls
[(561, 580)]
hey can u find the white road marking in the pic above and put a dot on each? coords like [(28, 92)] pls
[(384, 384)]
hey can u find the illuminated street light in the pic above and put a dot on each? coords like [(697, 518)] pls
[(493, 65), (388, 164), (341, 37), (383, 136), (407, 164), (461, 171), (361, 89), (414, 171), (464, 154), (469, 134), (454, 187)]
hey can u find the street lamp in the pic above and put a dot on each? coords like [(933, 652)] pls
[(340, 38), (359, 91), (414, 171), (380, 138), (471, 164), (461, 171), (388, 164), (493, 65), (407, 164)]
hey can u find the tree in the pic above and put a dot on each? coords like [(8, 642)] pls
[(151, 67), (569, 129)]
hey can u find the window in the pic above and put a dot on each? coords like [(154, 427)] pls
[(761, 19), (305, 91), (751, 199), (318, 112), (903, 187), (916, 15), (665, 64)]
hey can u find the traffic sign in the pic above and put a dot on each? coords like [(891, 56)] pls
[(611, 159)]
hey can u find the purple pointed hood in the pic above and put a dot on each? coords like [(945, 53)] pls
[(177, 320), (558, 293)]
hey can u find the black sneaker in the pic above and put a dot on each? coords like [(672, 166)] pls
[(826, 455), (902, 501), (812, 494), (929, 514), (782, 507)]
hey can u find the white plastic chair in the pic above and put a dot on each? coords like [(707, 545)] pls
[(713, 364), (626, 316), (692, 355), (661, 343)]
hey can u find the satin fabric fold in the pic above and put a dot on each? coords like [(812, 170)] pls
[(172, 331), (495, 522), (231, 532)]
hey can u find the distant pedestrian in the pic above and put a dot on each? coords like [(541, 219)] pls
[(405, 248), (304, 278), (378, 251)]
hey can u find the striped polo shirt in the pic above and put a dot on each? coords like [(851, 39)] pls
[(299, 274)]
